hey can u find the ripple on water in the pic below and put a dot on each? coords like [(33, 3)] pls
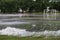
[(23, 32)]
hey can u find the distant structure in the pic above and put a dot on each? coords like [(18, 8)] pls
[(49, 14), (34, 0), (20, 10)]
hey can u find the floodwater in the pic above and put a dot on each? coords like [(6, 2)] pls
[(14, 20), (10, 19), (37, 25), (22, 32)]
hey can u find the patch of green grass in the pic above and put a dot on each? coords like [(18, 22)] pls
[(4, 37)]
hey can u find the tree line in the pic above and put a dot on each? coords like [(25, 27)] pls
[(30, 5)]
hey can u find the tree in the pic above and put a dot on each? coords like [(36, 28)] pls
[(33, 6), (8, 6), (56, 5)]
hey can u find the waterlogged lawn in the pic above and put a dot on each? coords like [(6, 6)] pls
[(27, 38)]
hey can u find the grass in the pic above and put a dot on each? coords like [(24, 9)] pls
[(4, 37)]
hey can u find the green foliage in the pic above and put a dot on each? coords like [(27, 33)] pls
[(33, 6), (56, 6), (8, 6), (14, 5)]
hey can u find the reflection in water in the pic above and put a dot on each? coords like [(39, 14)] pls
[(13, 23), (11, 19), (41, 25)]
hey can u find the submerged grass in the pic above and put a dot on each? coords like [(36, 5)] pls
[(4, 37)]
